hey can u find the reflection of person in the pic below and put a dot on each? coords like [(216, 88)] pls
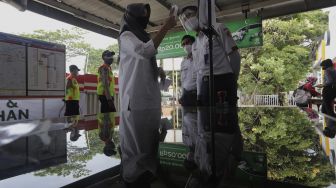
[(105, 87), (329, 95), (329, 87), (72, 95), (139, 87), (139, 140), (74, 134), (228, 147), (106, 126), (189, 134), (226, 59), (309, 86), (74, 131), (305, 92), (188, 74)]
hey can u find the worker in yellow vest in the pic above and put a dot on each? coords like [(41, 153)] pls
[(105, 88), (72, 94)]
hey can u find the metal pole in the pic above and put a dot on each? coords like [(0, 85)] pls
[(211, 89)]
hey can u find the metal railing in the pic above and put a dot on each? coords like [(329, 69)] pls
[(266, 100), (91, 105)]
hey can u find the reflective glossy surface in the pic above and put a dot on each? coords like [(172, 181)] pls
[(174, 147), (57, 152)]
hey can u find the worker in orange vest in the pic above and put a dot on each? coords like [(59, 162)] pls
[(72, 94), (105, 87)]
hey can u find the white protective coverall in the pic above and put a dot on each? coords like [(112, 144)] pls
[(139, 140), (137, 87)]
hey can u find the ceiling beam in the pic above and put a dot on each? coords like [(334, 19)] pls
[(275, 8), (79, 13), (120, 8), (70, 18), (164, 3)]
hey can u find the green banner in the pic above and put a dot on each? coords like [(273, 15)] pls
[(247, 33), (172, 155), (171, 47)]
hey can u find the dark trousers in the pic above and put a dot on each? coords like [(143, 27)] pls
[(104, 106), (329, 95), (189, 98), (225, 97), (71, 108), (224, 83)]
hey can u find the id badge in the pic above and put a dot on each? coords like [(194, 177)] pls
[(206, 59)]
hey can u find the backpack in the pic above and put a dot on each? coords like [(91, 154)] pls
[(301, 96)]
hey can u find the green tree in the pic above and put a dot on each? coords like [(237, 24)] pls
[(290, 142), (95, 58), (75, 46), (284, 59), (73, 40)]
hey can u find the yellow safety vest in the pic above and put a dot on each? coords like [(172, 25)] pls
[(100, 86), (106, 122), (73, 92)]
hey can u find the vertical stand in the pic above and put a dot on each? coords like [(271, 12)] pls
[(211, 89)]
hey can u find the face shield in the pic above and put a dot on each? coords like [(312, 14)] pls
[(189, 20)]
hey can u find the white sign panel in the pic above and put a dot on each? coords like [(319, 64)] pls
[(30, 109), (20, 110), (46, 72), (44, 63), (13, 69)]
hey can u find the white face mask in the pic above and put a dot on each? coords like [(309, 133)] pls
[(187, 49), (191, 24)]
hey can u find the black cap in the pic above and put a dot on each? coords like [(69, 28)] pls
[(188, 37), (73, 68), (326, 64), (107, 54)]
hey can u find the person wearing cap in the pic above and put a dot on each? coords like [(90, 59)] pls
[(329, 87), (188, 74), (105, 87), (329, 95), (72, 94)]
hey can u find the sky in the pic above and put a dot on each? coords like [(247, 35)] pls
[(27, 22)]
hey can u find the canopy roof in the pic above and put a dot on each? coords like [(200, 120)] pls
[(103, 16)]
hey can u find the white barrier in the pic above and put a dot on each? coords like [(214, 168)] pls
[(266, 100)]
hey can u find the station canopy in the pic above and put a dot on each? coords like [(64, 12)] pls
[(103, 16)]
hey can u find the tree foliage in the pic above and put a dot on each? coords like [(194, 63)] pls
[(290, 142), (284, 59), (75, 46), (95, 58), (77, 157), (73, 40)]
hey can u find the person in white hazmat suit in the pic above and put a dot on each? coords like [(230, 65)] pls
[(140, 98)]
